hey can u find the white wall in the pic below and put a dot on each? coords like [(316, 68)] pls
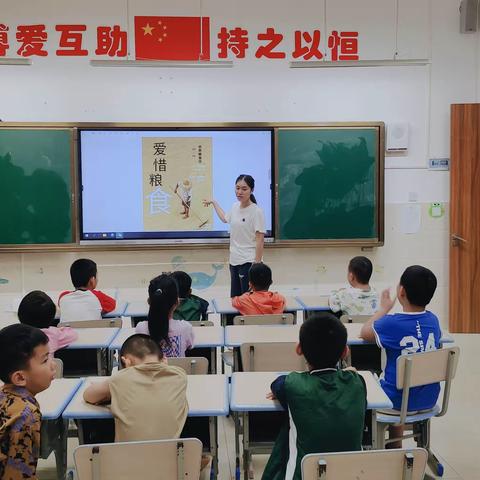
[(62, 89)]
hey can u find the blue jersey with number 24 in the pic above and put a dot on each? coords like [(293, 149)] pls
[(402, 334)]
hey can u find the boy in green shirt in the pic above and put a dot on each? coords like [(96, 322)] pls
[(191, 307), (326, 406)]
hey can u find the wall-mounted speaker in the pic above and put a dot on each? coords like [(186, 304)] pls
[(468, 16), (397, 137)]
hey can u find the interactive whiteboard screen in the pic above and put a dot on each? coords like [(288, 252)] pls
[(147, 186)]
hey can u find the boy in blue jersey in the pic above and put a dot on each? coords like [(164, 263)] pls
[(413, 331)]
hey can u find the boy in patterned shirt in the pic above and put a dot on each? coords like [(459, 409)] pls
[(26, 368), (358, 298)]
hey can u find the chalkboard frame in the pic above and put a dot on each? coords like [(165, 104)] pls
[(377, 241), (277, 243)]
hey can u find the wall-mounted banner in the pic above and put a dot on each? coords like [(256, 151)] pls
[(177, 38)]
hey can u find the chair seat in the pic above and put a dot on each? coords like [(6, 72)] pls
[(411, 418)]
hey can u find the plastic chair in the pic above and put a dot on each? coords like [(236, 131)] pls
[(412, 371), (58, 367), (398, 464), (103, 323), (354, 318), (192, 365), (274, 319), (157, 459), (271, 357)]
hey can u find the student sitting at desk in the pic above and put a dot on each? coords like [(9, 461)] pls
[(84, 303), (148, 396), (191, 307), (26, 369), (173, 336), (414, 330), (326, 406), (259, 300), (358, 298), (38, 310)]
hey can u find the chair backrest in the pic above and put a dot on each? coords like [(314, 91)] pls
[(58, 367), (424, 368), (192, 365), (201, 323), (271, 357), (395, 464), (157, 459), (103, 323), (274, 319), (354, 318)]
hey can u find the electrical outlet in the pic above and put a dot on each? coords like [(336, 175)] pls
[(379, 268)]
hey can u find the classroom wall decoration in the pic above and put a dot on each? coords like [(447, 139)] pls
[(200, 280), (180, 38)]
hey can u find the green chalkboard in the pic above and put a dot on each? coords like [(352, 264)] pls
[(35, 186), (330, 181)]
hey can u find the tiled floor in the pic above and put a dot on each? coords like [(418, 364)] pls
[(455, 437)]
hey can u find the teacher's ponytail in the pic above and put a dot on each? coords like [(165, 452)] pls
[(250, 181)]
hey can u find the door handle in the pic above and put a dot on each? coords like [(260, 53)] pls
[(457, 239)]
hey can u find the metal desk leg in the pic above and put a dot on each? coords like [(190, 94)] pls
[(54, 438), (213, 359), (236, 355), (213, 427), (236, 423), (373, 426), (81, 437), (61, 448), (102, 361), (223, 322), (246, 446)]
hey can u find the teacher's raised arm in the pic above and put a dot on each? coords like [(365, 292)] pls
[(247, 231)]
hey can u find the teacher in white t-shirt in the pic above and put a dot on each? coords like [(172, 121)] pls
[(247, 232)]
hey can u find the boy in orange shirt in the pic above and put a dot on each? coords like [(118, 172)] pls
[(259, 300)]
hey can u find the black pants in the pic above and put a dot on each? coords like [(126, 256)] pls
[(239, 279)]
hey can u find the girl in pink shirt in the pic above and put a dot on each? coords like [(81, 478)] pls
[(38, 310), (173, 336)]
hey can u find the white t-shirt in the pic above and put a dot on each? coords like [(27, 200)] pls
[(244, 223)]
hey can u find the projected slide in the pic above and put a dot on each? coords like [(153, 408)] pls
[(177, 175), (149, 185)]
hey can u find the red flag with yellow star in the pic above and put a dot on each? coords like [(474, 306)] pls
[(172, 38)]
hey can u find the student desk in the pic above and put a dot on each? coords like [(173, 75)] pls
[(235, 335), (98, 339), (248, 394), (118, 312), (313, 303), (207, 396), (54, 428), (204, 337), (223, 306)]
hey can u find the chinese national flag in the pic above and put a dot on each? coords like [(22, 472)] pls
[(172, 38)]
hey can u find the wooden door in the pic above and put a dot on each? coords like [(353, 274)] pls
[(465, 219)]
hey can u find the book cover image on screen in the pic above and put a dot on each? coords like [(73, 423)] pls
[(149, 185), (177, 175)]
